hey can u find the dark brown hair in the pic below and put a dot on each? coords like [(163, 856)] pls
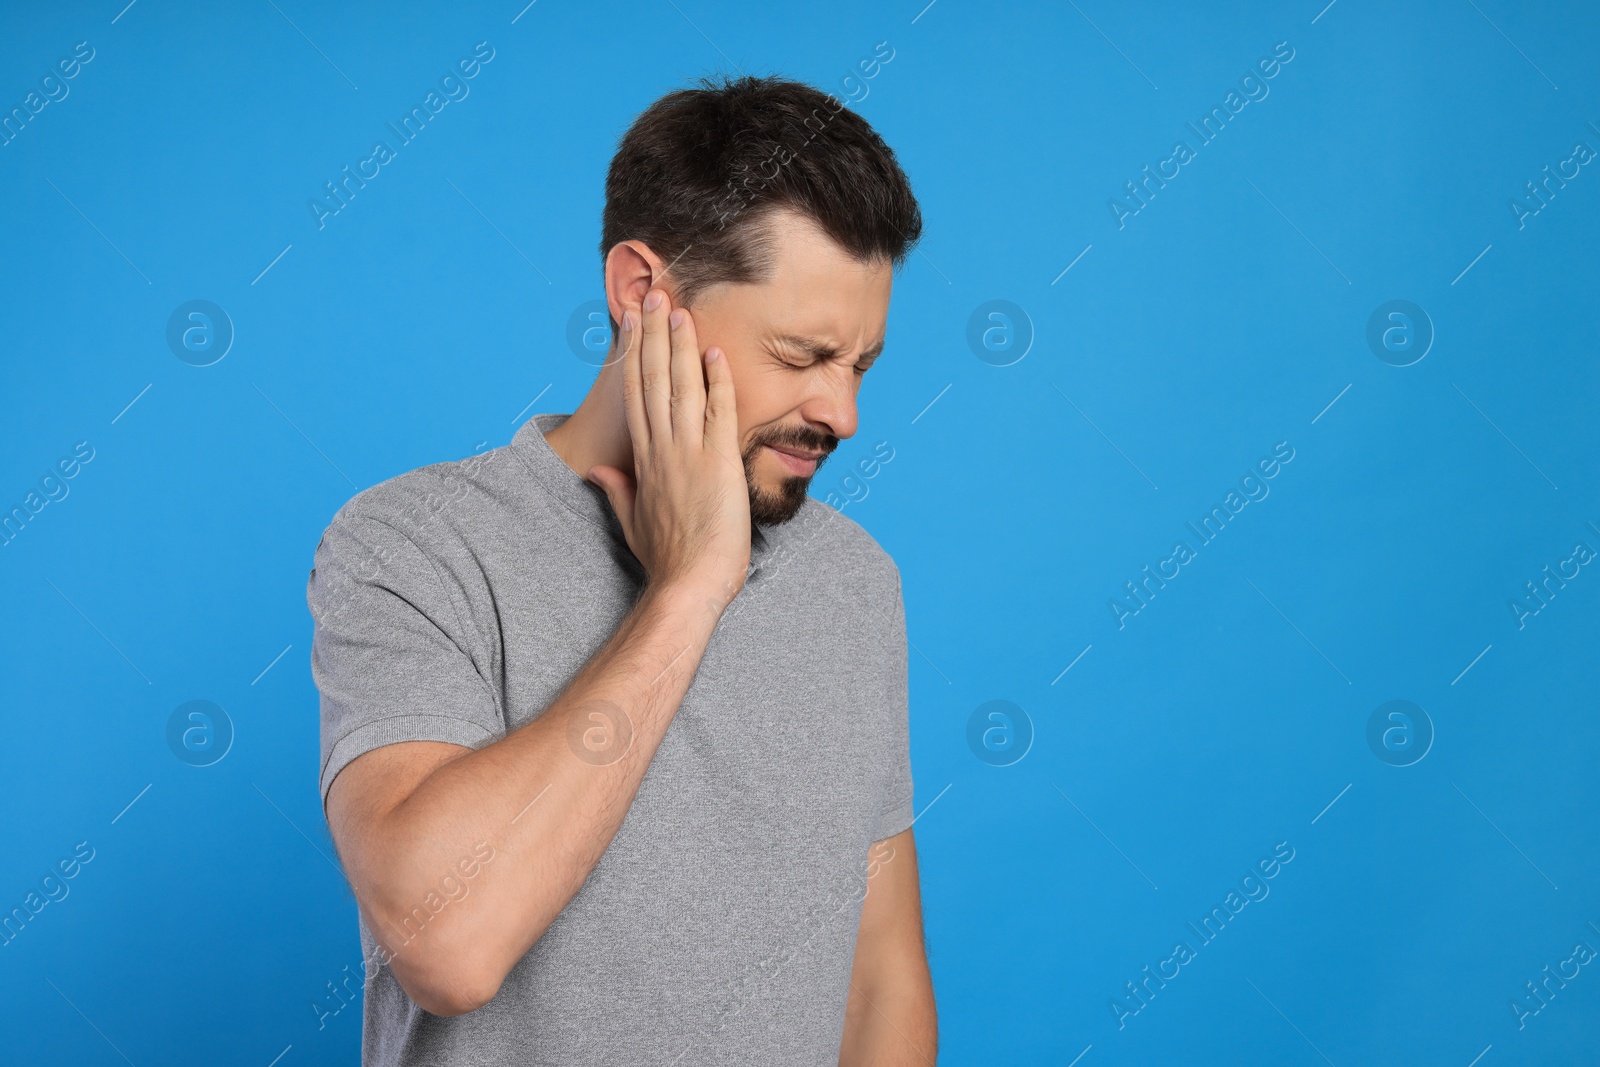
[(700, 171)]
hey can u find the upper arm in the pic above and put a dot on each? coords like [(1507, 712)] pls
[(402, 693), (380, 866), (890, 1015), (369, 788), (897, 815), (394, 663), (889, 942)]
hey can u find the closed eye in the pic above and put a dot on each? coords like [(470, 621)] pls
[(822, 352)]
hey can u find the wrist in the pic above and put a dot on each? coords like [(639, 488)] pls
[(695, 597)]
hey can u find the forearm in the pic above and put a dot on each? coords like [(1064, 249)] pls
[(548, 798)]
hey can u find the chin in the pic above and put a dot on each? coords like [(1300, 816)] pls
[(775, 502)]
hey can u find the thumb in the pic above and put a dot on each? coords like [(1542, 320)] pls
[(619, 489)]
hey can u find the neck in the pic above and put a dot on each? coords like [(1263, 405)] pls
[(597, 433)]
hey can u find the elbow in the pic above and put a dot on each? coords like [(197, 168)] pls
[(448, 961), (450, 1002), (443, 970), (443, 988), (455, 977)]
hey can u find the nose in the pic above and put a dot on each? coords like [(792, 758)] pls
[(832, 402)]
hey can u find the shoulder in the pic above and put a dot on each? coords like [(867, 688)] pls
[(840, 530), (429, 505), (418, 531), (412, 535), (845, 547)]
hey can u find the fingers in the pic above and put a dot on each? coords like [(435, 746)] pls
[(655, 370), (688, 381), (721, 418), (632, 387)]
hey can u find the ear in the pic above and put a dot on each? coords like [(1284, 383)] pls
[(632, 269)]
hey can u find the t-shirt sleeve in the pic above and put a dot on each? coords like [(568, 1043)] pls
[(897, 810), (389, 654)]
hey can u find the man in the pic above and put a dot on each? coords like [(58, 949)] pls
[(614, 722)]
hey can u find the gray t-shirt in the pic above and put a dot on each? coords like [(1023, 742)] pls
[(454, 602)]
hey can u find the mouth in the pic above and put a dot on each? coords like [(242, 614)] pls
[(797, 462)]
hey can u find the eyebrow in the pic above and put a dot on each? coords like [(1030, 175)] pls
[(822, 350)]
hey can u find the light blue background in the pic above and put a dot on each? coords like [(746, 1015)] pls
[(429, 314)]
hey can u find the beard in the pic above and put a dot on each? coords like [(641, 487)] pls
[(772, 508)]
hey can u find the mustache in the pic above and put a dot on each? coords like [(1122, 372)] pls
[(801, 437)]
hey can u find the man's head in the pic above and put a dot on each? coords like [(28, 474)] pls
[(777, 217)]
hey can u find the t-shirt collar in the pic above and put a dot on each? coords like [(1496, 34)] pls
[(587, 500)]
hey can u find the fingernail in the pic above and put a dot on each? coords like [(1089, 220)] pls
[(630, 321), (675, 319), (652, 300)]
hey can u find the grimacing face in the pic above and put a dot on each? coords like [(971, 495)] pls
[(798, 345)]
